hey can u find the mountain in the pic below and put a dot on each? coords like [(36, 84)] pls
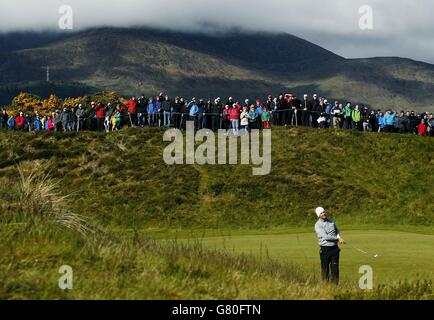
[(144, 60)]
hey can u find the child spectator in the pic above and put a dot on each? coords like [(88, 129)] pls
[(266, 118)]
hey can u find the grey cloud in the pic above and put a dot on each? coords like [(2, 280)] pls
[(401, 27)]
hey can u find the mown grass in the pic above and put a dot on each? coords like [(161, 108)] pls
[(126, 192)]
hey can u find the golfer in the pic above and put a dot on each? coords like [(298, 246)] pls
[(328, 237)]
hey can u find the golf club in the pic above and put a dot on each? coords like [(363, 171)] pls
[(362, 251)]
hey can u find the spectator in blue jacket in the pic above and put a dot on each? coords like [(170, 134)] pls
[(259, 111), (328, 113), (37, 124), (11, 123), (193, 110), (151, 110), (380, 121), (389, 121)]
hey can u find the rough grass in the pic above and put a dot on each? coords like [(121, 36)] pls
[(123, 182)]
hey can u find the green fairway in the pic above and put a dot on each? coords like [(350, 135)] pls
[(402, 256)]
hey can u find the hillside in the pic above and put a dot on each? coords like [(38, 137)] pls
[(133, 61), (122, 181)]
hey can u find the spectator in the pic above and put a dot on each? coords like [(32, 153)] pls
[(266, 118), (380, 122), (226, 118), (151, 113), (328, 113), (141, 111), (402, 122), (108, 115), (253, 117), (430, 128), (167, 111), (316, 110), (234, 116), (19, 122), (244, 120), (216, 114), (80, 114), (259, 110), (27, 122), (158, 111), (306, 109), (132, 112), (11, 123), (184, 113), (100, 117), (116, 119), (347, 112), (337, 116), (50, 124), (422, 129), (201, 114), (357, 118), (365, 119), (37, 124), (66, 119), (373, 121), (177, 113), (4, 119), (91, 118), (193, 111), (389, 121), (295, 105)]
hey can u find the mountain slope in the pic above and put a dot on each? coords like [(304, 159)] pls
[(144, 60)]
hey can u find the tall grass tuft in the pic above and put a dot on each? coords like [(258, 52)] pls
[(40, 201)]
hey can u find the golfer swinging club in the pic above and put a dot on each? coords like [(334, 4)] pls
[(328, 237)]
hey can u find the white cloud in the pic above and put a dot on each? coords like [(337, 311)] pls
[(401, 27)]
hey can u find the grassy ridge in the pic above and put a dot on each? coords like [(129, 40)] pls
[(122, 181)]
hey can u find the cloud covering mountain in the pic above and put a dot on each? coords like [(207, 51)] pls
[(401, 27)]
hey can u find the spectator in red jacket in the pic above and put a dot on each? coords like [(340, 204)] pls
[(422, 129), (19, 122), (132, 110), (234, 117), (100, 116)]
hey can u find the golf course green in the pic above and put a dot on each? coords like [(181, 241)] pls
[(401, 255)]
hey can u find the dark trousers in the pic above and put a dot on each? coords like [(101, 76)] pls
[(215, 123), (330, 263), (100, 124)]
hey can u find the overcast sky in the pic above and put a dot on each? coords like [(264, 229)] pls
[(402, 28)]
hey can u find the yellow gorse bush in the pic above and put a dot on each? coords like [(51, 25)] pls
[(29, 103)]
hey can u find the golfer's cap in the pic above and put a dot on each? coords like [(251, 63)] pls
[(319, 210)]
